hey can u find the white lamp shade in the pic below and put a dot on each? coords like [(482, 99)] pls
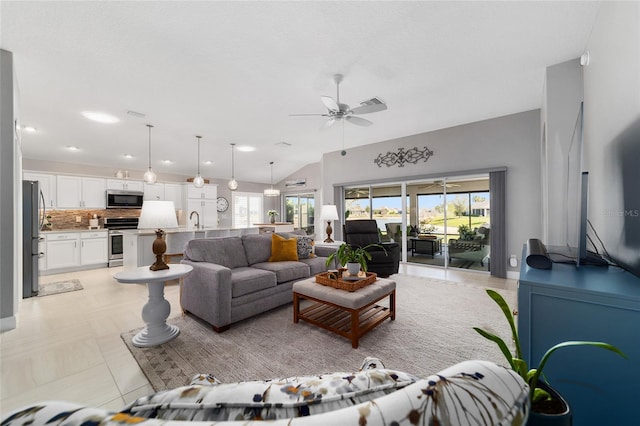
[(157, 214), (329, 212), (271, 192)]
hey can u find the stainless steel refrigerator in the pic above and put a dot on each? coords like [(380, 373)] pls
[(32, 218)]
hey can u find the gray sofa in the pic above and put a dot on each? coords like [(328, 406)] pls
[(232, 278)]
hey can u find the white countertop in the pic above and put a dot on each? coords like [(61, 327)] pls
[(60, 231), (176, 230)]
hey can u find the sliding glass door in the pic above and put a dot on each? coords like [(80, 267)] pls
[(442, 222), (300, 210)]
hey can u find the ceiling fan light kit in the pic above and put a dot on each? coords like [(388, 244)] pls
[(198, 181), (149, 176)]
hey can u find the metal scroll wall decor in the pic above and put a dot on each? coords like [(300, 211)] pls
[(412, 156)]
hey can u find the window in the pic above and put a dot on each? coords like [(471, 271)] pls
[(247, 209), (300, 210)]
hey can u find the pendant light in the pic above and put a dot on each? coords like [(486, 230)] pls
[(149, 175), (271, 192), (233, 183), (198, 182)]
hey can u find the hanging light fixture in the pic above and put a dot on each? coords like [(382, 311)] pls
[(271, 192), (233, 183), (198, 182), (149, 175)]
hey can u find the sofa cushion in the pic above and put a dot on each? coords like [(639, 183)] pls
[(305, 247), (316, 264), (249, 280), (257, 247), (285, 271), (283, 249), (225, 251)]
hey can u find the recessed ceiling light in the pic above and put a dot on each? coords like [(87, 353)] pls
[(72, 148), (167, 161), (245, 148), (208, 162), (100, 117), (128, 156)]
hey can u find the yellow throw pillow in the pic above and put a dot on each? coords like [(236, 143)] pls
[(283, 249)]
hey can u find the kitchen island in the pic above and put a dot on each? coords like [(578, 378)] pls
[(137, 242)]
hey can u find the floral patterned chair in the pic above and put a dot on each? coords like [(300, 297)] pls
[(469, 393)]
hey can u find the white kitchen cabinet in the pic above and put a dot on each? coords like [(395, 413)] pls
[(63, 250), (47, 184), (75, 192), (93, 248), (154, 191), (42, 254), (137, 250), (69, 192), (125, 185), (207, 192), (207, 213), (94, 193), (203, 201), (173, 192)]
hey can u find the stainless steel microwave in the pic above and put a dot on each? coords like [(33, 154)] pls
[(117, 199)]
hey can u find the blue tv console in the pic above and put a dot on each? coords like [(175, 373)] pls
[(586, 303)]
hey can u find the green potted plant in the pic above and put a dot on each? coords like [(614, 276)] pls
[(354, 258), (466, 233), (547, 405)]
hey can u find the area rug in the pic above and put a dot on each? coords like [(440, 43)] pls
[(59, 287), (432, 330)]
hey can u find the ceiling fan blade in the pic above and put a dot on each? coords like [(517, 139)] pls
[(330, 103), (308, 115), (359, 121), (328, 123), (369, 106)]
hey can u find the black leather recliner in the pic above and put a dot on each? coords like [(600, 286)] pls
[(363, 232)]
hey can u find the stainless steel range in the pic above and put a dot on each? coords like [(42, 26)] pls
[(115, 225)]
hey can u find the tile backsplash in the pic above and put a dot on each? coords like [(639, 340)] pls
[(66, 219)]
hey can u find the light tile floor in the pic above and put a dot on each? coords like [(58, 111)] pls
[(68, 347)]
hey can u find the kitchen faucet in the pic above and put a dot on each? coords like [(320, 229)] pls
[(197, 218)]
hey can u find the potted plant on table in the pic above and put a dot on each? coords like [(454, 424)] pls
[(354, 258), (547, 405), (272, 215)]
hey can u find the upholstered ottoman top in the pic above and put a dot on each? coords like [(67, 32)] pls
[(347, 299)]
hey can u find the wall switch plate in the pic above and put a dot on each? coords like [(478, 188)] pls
[(78, 219), (513, 261)]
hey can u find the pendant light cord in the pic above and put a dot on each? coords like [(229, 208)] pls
[(198, 137), (149, 126), (271, 174), (233, 174)]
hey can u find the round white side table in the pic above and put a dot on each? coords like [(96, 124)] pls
[(156, 311)]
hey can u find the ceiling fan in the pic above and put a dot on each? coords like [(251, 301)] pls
[(339, 111), (439, 184)]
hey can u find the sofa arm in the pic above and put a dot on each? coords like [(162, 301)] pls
[(206, 293), (324, 251)]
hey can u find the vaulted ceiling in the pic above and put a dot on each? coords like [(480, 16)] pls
[(234, 71)]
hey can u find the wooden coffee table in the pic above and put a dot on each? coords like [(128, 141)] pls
[(349, 314)]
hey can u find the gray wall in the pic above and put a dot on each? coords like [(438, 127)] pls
[(612, 129), (8, 212), (511, 141), (561, 102)]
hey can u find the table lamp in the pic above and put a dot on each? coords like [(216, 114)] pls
[(157, 215), (329, 213)]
